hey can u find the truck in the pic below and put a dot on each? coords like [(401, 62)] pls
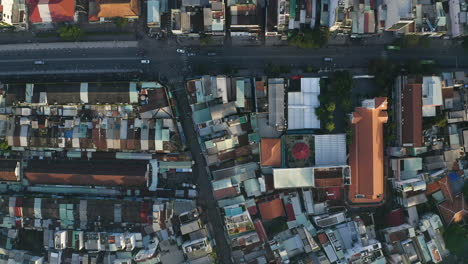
[(426, 62)]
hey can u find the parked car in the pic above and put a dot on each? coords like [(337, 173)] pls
[(39, 62), (211, 54), (180, 51), (328, 59), (190, 54), (145, 61)]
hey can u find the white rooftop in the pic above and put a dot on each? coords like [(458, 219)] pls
[(301, 105), (293, 178)]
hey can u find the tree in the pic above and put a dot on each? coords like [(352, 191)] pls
[(70, 32), (342, 83), (228, 69), (205, 39), (330, 126), (465, 43), (201, 69), (272, 70), (465, 191), (331, 107), (4, 145), (346, 105), (440, 121), (309, 38), (121, 22), (456, 239)]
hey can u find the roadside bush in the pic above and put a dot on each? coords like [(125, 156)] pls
[(413, 41), (70, 32), (309, 38), (121, 22), (205, 39)]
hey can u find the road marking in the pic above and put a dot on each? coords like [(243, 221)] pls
[(73, 59)]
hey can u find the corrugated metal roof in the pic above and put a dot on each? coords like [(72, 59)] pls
[(301, 105), (330, 149), (293, 178)]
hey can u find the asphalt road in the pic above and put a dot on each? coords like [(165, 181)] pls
[(167, 62)]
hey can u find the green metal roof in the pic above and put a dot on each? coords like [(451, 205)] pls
[(202, 116)]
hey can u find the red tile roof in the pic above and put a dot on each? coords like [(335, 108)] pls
[(8, 170), (88, 173), (271, 209), (290, 212), (271, 152), (411, 105), (51, 10), (224, 193), (366, 154)]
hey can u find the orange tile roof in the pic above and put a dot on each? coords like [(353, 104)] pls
[(271, 152), (117, 8), (271, 209), (367, 154)]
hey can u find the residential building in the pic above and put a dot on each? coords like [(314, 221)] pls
[(51, 11), (102, 10), (199, 17), (458, 18), (155, 9), (245, 18), (284, 15), (10, 170), (366, 153), (14, 12), (432, 95)]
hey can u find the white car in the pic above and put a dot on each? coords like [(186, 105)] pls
[(145, 61), (180, 51), (190, 54), (39, 62), (328, 59)]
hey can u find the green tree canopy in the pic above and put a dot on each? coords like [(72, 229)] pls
[(456, 239), (309, 38), (331, 107), (121, 22), (330, 126)]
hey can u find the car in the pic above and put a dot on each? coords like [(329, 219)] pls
[(145, 61), (190, 54), (328, 59), (211, 54), (39, 62), (180, 51), (393, 47)]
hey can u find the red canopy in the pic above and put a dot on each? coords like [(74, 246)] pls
[(301, 151)]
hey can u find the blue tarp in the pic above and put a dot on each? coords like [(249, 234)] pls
[(69, 133)]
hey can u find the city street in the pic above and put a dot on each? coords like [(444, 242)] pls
[(168, 63)]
